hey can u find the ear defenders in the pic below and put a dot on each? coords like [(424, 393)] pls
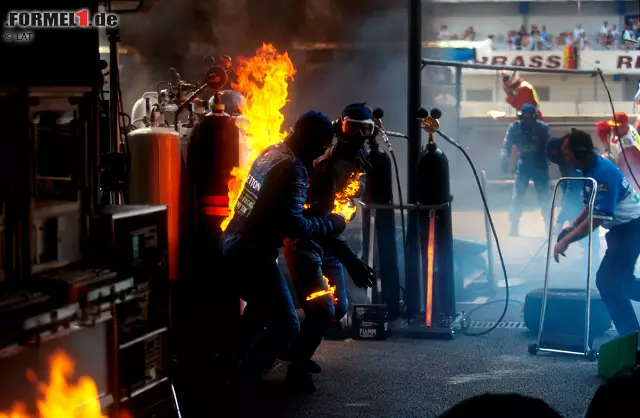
[(579, 153)]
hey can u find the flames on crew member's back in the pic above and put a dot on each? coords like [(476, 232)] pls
[(263, 80), (343, 202)]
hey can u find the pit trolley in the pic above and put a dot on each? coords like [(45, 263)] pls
[(587, 351)]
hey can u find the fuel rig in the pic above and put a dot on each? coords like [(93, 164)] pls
[(106, 226)]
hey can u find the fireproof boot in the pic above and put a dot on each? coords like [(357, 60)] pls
[(514, 232), (309, 365), (299, 381)]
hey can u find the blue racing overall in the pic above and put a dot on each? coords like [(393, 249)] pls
[(268, 210), (618, 206), (530, 137), (309, 263)]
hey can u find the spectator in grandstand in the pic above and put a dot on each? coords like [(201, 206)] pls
[(469, 34), (604, 29), (546, 36), (615, 36), (628, 37), (578, 31), (444, 34), (582, 43)]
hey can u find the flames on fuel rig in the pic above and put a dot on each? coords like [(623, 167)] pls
[(264, 82), (60, 397)]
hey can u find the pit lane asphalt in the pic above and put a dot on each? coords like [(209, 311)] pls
[(408, 378), (421, 378)]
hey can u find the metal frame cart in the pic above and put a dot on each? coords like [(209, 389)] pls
[(540, 345)]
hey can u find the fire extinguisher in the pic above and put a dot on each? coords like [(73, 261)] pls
[(210, 297)]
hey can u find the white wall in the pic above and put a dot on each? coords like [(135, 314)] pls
[(569, 96), (561, 88)]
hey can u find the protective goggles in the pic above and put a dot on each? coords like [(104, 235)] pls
[(353, 127)]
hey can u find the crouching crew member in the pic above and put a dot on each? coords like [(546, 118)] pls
[(310, 261), (616, 208), (269, 210)]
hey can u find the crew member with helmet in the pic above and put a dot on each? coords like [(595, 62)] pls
[(530, 137), (617, 209), (629, 138), (519, 92), (270, 209), (572, 203), (310, 260)]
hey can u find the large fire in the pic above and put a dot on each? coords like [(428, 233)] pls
[(343, 202), (263, 80), (330, 291), (60, 398)]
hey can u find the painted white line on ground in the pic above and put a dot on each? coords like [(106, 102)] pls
[(477, 301)]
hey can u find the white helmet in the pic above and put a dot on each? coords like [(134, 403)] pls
[(509, 80)]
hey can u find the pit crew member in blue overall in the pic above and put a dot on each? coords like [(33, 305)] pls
[(309, 260), (269, 210), (530, 137), (616, 208), (572, 203)]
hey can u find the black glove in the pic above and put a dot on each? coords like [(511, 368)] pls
[(564, 233), (362, 275), (338, 222)]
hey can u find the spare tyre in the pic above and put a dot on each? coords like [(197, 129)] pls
[(565, 312)]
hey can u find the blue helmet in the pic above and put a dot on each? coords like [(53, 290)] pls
[(528, 111), (356, 120), (314, 126)]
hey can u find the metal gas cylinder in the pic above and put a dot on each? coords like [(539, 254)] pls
[(155, 177), (436, 230), (433, 172)]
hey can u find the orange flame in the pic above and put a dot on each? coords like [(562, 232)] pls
[(60, 399), (264, 81), (343, 201), (331, 290)]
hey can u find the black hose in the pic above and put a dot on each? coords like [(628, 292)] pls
[(495, 236), (404, 233), (615, 122)]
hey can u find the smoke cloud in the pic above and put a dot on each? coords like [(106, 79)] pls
[(180, 33)]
